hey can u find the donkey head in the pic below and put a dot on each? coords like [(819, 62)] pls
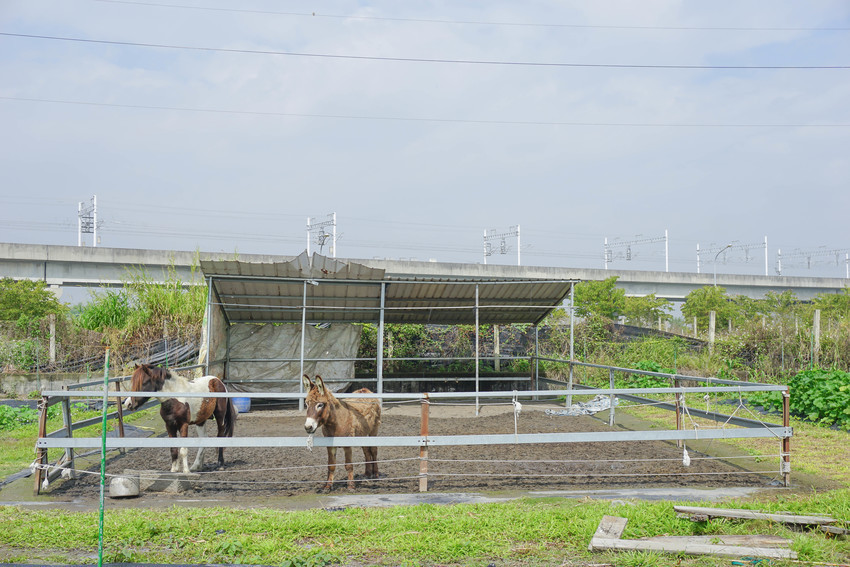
[(145, 379), (318, 403)]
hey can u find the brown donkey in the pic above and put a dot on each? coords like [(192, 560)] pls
[(338, 418)]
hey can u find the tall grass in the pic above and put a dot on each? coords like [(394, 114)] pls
[(145, 308)]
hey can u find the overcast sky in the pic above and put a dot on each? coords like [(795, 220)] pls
[(221, 125)]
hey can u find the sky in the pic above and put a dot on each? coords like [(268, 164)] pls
[(223, 125)]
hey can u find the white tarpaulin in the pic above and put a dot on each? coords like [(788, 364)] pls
[(283, 341), (597, 404)]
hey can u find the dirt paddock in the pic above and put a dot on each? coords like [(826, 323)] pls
[(278, 472)]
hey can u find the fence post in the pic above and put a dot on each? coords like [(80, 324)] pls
[(712, 319), (69, 430), (611, 398), (816, 338), (40, 453), (120, 410), (785, 462), (678, 410), (423, 446)]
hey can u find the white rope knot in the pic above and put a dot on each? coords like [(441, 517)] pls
[(686, 459), (310, 442)]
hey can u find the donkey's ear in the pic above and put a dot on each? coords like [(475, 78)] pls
[(320, 385), (307, 382)]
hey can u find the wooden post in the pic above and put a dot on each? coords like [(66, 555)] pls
[(423, 448), (712, 319), (816, 339), (678, 411), (120, 411), (52, 320), (785, 462), (68, 424), (497, 364), (40, 453)]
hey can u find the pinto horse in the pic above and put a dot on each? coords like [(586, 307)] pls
[(339, 418), (180, 413)]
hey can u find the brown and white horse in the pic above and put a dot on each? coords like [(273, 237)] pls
[(340, 418), (180, 413)]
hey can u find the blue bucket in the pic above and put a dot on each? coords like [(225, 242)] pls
[(242, 404)]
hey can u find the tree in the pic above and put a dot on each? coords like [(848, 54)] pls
[(833, 305), (23, 301), (701, 301), (599, 298), (647, 310)]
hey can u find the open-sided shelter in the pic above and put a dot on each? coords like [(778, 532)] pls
[(269, 323)]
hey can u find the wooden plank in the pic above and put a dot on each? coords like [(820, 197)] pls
[(754, 515), (610, 528), (748, 540), (834, 530), (691, 548)]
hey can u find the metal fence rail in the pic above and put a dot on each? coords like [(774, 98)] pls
[(744, 428)]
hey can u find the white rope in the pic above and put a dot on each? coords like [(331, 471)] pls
[(579, 461), (594, 475)]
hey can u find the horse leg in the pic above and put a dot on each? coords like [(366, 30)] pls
[(175, 452), (183, 451), (224, 416), (199, 458), (349, 468), (331, 467)]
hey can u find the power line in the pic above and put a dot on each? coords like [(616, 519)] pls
[(425, 119), (473, 22), (422, 59)]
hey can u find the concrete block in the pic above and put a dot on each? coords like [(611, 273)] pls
[(159, 481)]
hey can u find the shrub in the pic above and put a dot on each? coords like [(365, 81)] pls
[(822, 396)]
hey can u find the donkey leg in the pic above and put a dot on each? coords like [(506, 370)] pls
[(199, 458), (331, 468), (367, 457), (373, 457), (349, 468)]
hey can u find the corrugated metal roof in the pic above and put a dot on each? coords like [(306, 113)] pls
[(339, 291)]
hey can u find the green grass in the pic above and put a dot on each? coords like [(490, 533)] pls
[(523, 532), (17, 446), (815, 450)]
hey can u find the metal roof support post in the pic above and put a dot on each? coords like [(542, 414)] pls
[(379, 363), (303, 335), (536, 358), (569, 397), (209, 326), (476, 350)]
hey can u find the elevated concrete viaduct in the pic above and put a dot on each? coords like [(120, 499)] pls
[(99, 266)]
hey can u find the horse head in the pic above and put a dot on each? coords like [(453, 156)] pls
[(318, 402), (145, 379)]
